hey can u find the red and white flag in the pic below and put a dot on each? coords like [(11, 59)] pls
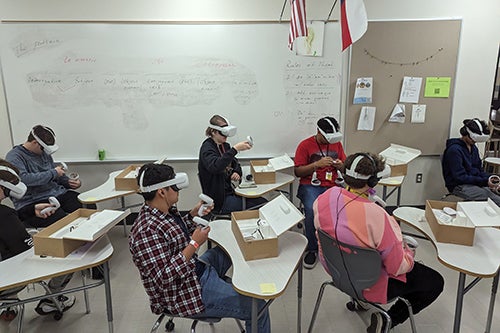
[(353, 21), (298, 26)]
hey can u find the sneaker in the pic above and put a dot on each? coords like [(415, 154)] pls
[(8, 314), (310, 260), (378, 323), (46, 306)]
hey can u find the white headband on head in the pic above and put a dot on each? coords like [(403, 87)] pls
[(352, 170), (180, 180), (477, 137), (16, 191), (48, 149), (331, 137)]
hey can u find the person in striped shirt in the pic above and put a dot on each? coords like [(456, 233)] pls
[(349, 215)]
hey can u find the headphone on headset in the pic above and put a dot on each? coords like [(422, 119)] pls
[(371, 179)]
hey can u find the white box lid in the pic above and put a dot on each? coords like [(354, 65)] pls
[(281, 162), (397, 154), (89, 229), (280, 214), (481, 213)]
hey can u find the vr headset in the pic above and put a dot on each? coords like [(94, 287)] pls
[(483, 137), (14, 191), (179, 182), (227, 131), (48, 149), (331, 137)]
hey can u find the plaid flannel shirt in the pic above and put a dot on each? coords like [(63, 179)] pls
[(156, 242)]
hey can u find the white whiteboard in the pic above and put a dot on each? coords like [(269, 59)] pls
[(141, 91)]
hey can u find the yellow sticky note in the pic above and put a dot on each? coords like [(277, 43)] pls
[(267, 288), (89, 199)]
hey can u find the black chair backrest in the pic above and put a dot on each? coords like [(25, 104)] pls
[(351, 267)]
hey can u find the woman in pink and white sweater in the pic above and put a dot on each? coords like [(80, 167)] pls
[(349, 215)]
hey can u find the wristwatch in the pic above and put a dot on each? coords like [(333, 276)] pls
[(194, 244)]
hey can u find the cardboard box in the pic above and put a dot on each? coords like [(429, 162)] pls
[(398, 157), (126, 180), (448, 233), (48, 242), (264, 171), (261, 241)]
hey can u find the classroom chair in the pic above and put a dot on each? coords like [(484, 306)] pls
[(352, 270), (10, 296), (169, 326)]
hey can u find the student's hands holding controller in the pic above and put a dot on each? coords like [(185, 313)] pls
[(200, 235), (74, 183), (41, 206), (60, 170), (242, 146)]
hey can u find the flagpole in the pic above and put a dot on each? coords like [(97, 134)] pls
[(282, 10), (331, 10)]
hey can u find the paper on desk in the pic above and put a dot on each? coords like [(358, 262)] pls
[(366, 119), (267, 288), (398, 114)]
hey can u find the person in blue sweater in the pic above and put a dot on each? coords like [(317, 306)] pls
[(43, 178), (462, 167)]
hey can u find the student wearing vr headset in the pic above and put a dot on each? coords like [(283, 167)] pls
[(347, 214), (462, 166), (163, 245), (43, 178), (218, 167), (317, 160), (14, 240)]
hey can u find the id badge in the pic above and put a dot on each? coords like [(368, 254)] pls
[(329, 176)]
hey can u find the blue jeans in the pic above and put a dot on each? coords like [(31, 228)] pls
[(220, 298), (307, 194), (476, 193), (234, 203)]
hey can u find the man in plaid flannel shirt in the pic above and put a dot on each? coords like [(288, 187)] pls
[(163, 245)]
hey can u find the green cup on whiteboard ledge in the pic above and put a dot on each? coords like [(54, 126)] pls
[(101, 154)]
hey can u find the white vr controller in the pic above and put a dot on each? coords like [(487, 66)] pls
[(410, 241), (202, 222), (55, 205), (207, 203), (250, 140)]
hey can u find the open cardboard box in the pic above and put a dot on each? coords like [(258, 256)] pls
[(59, 240), (398, 157), (264, 171), (261, 241), (448, 233), (126, 180)]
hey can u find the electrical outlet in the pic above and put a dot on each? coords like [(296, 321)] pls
[(418, 179)]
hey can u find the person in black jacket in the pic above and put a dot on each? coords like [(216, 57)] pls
[(218, 167), (14, 240)]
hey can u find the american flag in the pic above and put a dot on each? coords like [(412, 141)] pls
[(298, 26)]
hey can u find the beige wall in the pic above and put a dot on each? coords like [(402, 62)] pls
[(473, 87)]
